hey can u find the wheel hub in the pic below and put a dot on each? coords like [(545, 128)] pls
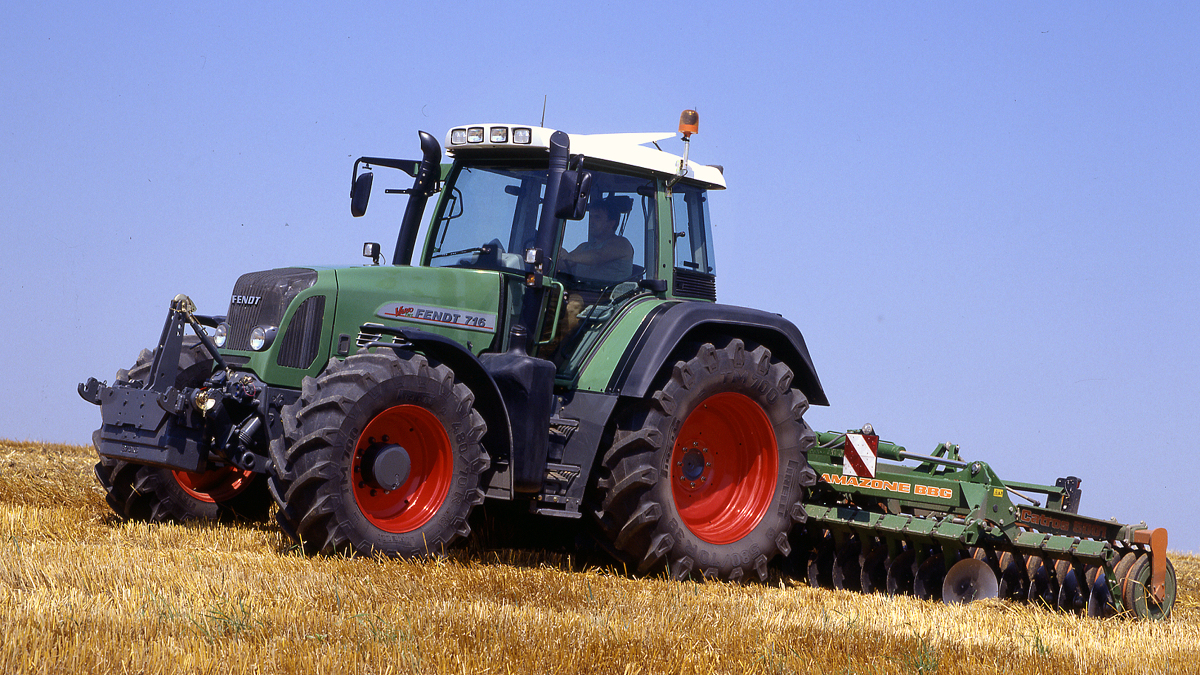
[(386, 466), (694, 467)]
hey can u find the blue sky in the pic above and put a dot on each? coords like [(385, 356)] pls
[(983, 216)]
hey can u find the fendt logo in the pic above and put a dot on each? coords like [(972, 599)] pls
[(249, 300)]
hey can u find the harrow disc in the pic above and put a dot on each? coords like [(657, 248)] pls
[(873, 578), (968, 580), (900, 572), (927, 584), (847, 570), (820, 563), (1121, 569), (1014, 582), (1043, 587), (1100, 600), (1072, 595)]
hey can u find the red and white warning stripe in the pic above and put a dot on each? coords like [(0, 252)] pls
[(860, 455)]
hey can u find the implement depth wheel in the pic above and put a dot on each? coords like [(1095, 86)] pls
[(141, 492), (1136, 594), (381, 454), (707, 474)]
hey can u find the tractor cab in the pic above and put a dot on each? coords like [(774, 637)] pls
[(642, 229)]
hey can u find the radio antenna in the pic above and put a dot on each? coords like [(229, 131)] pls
[(543, 123)]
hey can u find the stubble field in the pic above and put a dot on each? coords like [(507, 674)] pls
[(82, 592)]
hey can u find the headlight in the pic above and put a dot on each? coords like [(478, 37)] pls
[(522, 136), (261, 338), (221, 334), (498, 134), (474, 134), (458, 136)]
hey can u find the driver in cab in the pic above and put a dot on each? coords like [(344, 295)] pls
[(605, 259), (606, 256)]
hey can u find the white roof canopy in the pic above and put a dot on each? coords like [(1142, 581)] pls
[(629, 149)]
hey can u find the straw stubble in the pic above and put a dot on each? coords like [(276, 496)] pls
[(81, 591)]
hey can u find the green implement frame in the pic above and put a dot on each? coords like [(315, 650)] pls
[(874, 523)]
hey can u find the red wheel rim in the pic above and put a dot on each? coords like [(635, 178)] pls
[(215, 485), (414, 503), (724, 468)]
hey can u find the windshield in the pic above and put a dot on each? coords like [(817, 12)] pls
[(489, 218)]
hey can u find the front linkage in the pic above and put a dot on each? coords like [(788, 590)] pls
[(187, 420), (949, 529)]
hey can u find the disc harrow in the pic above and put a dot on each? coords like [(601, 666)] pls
[(951, 530)]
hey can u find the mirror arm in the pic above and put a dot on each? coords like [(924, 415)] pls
[(425, 183), (408, 166)]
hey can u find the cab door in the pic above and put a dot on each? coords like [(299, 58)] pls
[(594, 303)]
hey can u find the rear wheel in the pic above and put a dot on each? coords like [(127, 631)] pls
[(707, 474), (141, 492), (381, 454)]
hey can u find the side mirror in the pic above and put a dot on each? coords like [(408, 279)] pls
[(360, 194), (573, 194)]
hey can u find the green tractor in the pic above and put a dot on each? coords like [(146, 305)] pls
[(556, 344)]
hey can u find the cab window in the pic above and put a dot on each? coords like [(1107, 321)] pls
[(615, 241), (693, 230)]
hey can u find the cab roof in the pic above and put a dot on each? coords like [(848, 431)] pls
[(628, 149)]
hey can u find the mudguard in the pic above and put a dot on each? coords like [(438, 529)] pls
[(670, 324)]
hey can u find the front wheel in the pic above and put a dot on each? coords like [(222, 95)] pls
[(381, 454), (152, 493), (707, 475)]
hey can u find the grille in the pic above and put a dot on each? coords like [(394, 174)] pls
[(274, 290), (302, 340), (692, 284)]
